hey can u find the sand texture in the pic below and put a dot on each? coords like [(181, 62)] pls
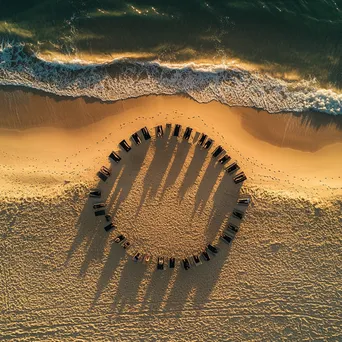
[(64, 279)]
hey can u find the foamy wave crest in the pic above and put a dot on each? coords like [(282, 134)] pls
[(126, 78)]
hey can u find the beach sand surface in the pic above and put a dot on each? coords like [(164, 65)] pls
[(63, 277)]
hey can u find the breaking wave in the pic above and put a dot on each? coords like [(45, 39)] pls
[(126, 78)]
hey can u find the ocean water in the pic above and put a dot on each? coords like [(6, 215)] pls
[(180, 47)]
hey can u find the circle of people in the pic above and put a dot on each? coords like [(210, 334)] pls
[(203, 142)]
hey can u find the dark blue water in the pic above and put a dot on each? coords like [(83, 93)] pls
[(305, 36)]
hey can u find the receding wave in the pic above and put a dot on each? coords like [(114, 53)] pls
[(125, 78)]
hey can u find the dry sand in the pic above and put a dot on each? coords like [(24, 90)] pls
[(63, 278)]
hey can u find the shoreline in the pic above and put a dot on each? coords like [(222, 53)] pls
[(27, 100), (122, 79), (271, 147)]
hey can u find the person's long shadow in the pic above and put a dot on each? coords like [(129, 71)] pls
[(132, 164), (156, 288), (130, 280), (193, 287), (224, 200), (116, 254), (90, 228), (164, 149), (193, 170), (207, 184), (182, 150)]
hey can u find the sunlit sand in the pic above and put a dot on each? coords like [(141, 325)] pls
[(64, 278)]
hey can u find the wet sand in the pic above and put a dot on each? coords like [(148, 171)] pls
[(21, 109)]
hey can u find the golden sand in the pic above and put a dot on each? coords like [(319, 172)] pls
[(63, 277)]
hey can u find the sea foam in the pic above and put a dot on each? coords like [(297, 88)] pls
[(127, 78)]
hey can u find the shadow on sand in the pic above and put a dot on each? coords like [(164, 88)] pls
[(168, 289)]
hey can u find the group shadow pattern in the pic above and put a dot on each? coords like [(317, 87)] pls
[(116, 189)]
